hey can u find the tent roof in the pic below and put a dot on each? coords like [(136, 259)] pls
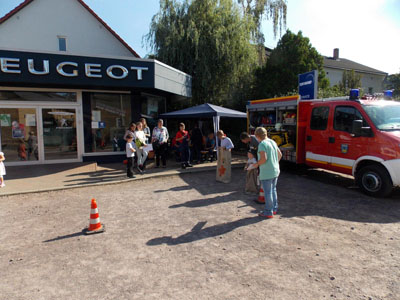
[(205, 111)]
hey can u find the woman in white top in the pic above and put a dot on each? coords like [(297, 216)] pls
[(140, 144)]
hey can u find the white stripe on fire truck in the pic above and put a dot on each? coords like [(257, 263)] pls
[(334, 161)]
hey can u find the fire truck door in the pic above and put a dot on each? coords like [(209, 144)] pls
[(318, 137), (346, 148)]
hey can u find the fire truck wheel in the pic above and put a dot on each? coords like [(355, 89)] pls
[(374, 180)]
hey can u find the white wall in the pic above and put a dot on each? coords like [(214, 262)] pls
[(37, 26), (367, 80)]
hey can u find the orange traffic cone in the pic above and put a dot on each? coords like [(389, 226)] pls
[(261, 198), (94, 225)]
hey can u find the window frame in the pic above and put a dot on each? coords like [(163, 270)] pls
[(62, 38), (365, 123), (327, 117)]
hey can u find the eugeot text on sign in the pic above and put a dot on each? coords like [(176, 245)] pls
[(69, 68)]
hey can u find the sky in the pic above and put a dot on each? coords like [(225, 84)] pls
[(365, 31)]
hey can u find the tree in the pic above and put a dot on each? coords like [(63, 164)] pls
[(272, 9), (393, 83), (208, 39), (293, 55), (350, 80)]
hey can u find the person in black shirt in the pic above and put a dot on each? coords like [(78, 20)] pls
[(251, 142)]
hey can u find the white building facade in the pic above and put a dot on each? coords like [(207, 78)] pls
[(371, 79)]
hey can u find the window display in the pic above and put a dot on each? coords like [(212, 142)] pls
[(110, 115), (152, 107)]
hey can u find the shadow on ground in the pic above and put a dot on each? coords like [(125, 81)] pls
[(199, 233), (301, 193)]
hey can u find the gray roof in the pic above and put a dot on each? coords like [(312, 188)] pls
[(346, 64)]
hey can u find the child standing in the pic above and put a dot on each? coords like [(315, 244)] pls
[(130, 154), (251, 174), (2, 170)]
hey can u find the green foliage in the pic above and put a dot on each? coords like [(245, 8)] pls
[(272, 9), (293, 55), (330, 91), (393, 83), (350, 80), (208, 39)]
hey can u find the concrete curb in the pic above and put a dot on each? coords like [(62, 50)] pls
[(169, 173)]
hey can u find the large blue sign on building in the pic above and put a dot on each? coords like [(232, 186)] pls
[(308, 85)]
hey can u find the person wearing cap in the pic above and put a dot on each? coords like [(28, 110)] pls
[(225, 146), (159, 140)]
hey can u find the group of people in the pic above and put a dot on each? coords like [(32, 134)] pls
[(189, 147), (263, 164), (138, 139)]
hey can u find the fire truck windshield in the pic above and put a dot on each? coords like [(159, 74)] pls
[(386, 116)]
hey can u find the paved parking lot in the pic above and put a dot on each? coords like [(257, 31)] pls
[(189, 237)]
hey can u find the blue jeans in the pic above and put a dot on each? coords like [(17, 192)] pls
[(271, 197)]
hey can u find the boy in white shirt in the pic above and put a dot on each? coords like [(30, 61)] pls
[(130, 154)]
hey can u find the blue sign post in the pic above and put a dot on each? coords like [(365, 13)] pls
[(308, 85)]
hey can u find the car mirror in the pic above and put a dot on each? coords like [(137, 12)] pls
[(357, 127)]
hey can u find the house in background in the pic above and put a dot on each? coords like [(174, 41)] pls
[(70, 85), (371, 79)]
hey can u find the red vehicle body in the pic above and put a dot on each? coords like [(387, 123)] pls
[(356, 137)]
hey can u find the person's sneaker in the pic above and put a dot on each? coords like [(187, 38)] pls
[(133, 176), (189, 165), (2, 185), (183, 166), (139, 170), (265, 216)]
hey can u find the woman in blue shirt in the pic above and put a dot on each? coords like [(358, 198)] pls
[(268, 162)]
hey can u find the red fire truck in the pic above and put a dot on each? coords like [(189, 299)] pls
[(359, 137)]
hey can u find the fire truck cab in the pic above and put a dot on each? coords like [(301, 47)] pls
[(359, 137)]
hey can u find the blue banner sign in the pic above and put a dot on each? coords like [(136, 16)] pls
[(308, 85)]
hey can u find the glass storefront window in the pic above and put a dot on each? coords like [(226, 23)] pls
[(37, 96), (59, 134), (18, 134), (110, 116), (152, 107)]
